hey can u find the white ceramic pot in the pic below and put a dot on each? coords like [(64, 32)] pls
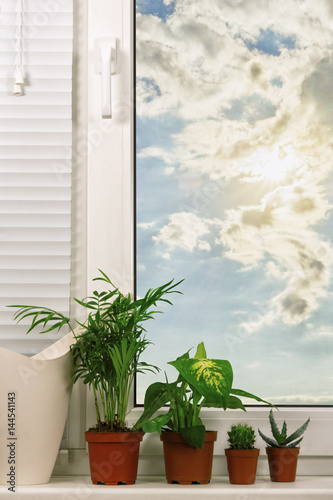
[(34, 399)]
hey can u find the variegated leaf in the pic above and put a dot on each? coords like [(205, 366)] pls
[(212, 378)]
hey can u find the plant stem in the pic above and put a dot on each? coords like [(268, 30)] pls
[(98, 416)]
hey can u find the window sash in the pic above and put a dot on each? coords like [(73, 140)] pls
[(104, 155)]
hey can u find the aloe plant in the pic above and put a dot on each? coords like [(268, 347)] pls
[(280, 438), (202, 382), (109, 344), (241, 437)]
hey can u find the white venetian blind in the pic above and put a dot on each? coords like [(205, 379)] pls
[(35, 163)]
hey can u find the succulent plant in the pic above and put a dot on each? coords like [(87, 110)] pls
[(241, 437), (281, 440)]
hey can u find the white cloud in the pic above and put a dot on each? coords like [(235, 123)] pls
[(146, 225), (277, 232), (302, 399), (154, 152), (253, 117), (184, 231), (169, 170), (318, 333), (254, 366)]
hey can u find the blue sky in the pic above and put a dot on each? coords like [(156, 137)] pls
[(233, 189), (156, 8)]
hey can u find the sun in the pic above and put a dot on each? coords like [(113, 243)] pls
[(275, 163)]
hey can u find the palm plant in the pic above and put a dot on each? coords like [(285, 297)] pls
[(108, 345)]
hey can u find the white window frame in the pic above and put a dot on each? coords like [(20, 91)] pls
[(110, 190)]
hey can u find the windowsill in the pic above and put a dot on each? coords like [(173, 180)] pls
[(76, 487)]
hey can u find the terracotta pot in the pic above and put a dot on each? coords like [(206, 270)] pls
[(113, 456), (242, 465), (186, 464), (282, 463)]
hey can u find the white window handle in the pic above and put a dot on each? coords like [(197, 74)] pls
[(108, 67)]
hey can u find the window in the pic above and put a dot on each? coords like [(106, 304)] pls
[(234, 188), (103, 175)]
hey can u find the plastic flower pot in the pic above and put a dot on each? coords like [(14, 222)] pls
[(34, 398), (186, 464), (242, 465), (113, 456), (282, 463)]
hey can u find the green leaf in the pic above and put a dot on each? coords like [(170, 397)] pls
[(284, 431), (244, 394), (201, 351), (194, 435), (235, 403), (297, 433), (156, 424), (294, 444), (156, 396), (212, 378), (274, 428), (269, 441)]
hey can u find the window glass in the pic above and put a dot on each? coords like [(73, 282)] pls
[(234, 187)]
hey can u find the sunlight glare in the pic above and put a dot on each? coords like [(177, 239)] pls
[(275, 164)]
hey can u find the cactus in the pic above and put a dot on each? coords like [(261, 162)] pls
[(281, 440), (241, 437)]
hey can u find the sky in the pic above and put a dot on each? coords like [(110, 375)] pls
[(234, 188)]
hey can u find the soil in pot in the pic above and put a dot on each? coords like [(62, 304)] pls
[(242, 465), (282, 463), (113, 456), (186, 464)]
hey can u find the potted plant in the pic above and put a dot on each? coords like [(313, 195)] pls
[(188, 448), (242, 456), (106, 356), (282, 450)]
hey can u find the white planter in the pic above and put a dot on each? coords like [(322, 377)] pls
[(42, 386)]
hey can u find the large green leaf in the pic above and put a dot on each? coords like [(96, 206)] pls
[(201, 351), (156, 424), (212, 378), (156, 396), (194, 435), (245, 394), (235, 403)]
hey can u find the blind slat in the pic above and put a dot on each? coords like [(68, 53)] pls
[(34, 220), (37, 125), (32, 151), (36, 58), (33, 180), (35, 139), (40, 32), (36, 19), (32, 45), (49, 6), (35, 262), (42, 71), (39, 248), (7, 111), (35, 206)]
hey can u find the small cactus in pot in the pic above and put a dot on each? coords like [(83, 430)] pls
[(242, 456), (241, 437)]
